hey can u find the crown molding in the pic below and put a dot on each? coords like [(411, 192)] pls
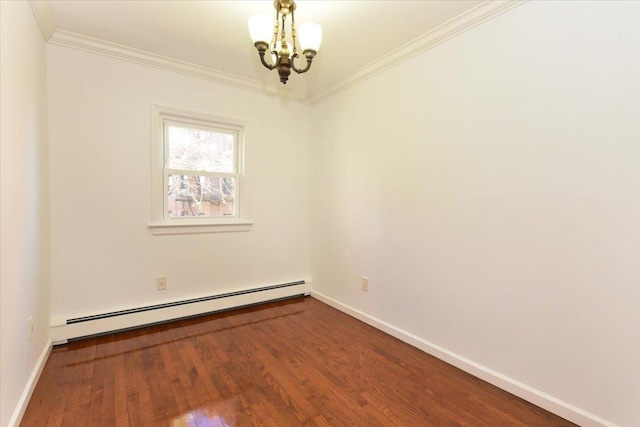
[(483, 12), (44, 16), (89, 44)]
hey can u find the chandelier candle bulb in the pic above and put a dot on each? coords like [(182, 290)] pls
[(284, 52), (260, 28), (310, 36)]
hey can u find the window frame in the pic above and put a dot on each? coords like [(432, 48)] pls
[(161, 222)]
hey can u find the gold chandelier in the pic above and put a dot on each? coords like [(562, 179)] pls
[(284, 52)]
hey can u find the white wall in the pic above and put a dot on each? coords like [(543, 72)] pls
[(488, 188), (104, 256), (24, 199)]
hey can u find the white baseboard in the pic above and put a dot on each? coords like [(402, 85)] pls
[(61, 331), (537, 397), (21, 407)]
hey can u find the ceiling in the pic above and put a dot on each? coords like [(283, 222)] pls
[(214, 34)]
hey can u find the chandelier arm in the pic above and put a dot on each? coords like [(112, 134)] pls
[(262, 49), (309, 54), (300, 70), (265, 63)]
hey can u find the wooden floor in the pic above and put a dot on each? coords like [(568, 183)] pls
[(292, 363)]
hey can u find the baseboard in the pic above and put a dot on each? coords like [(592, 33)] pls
[(21, 407), (530, 394), (63, 330)]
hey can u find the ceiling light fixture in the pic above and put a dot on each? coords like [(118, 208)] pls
[(284, 51)]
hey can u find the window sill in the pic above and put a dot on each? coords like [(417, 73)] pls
[(163, 228)]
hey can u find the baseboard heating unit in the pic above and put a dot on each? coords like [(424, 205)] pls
[(80, 327)]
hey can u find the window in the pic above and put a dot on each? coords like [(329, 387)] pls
[(197, 173)]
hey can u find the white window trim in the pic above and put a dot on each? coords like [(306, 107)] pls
[(160, 224)]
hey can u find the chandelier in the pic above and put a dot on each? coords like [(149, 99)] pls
[(284, 51)]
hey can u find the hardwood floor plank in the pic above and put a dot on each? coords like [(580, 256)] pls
[(292, 363), (119, 377), (97, 412), (78, 402)]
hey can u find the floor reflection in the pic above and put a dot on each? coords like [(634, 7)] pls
[(200, 418)]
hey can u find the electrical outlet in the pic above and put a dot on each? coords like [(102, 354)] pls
[(364, 284), (161, 283), (30, 328)]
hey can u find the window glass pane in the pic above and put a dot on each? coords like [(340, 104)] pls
[(200, 150), (201, 196)]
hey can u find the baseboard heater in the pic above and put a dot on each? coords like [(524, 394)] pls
[(81, 327)]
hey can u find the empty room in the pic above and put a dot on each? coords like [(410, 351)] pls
[(322, 213)]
